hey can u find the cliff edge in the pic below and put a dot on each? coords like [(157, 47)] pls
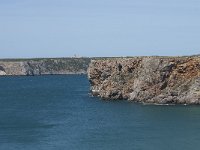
[(160, 80)]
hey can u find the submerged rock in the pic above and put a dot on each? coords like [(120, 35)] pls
[(147, 79)]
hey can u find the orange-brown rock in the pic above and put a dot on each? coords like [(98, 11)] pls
[(147, 79)]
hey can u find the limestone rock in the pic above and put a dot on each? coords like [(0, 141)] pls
[(2, 73)]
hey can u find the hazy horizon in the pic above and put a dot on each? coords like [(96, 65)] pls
[(64, 28)]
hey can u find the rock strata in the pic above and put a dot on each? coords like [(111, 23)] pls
[(163, 80)]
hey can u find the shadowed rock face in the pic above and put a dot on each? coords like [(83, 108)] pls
[(2, 71), (147, 79)]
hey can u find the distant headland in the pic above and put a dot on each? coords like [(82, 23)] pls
[(43, 66)]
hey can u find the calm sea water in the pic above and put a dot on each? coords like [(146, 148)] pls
[(57, 113)]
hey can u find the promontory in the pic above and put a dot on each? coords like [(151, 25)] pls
[(162, 80)]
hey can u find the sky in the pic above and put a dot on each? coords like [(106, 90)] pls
[(63, 28)]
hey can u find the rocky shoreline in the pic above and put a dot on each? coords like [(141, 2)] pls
[(43, 66), (160, 80)]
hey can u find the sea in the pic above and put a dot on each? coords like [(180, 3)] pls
[(58, 113)]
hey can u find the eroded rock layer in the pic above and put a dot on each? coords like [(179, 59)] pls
[(147, 79)]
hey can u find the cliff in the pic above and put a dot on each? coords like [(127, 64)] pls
[(44, 66), (160, 80)]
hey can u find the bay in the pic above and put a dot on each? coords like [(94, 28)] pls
[(57, 112)]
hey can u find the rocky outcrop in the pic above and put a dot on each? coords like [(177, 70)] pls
[(44, 66), (160, 80)]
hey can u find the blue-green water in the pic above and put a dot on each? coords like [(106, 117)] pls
[(57, 113)]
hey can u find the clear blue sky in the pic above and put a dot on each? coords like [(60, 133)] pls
[(61, 28)]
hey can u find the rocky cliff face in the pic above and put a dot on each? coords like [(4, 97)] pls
[(44, 66), (147, 79)]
